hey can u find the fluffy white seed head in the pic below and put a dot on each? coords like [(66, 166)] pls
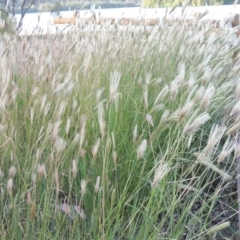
[(83, 187), (207, 97), (199, 94), (206, 76), (76, 138), (238, 91), (102, 123), (237, 151), (96, 147), (61, 108), (228, 147), (12, 172), (35, 90), (161, 95), (55, 130), (135, 133), (150, 119), (57, 184), (181, 74), (173, 90), (68, 125), (74, 105), (41, 170), (165, 116), (99, 95), (43, 102), (114, 82), (215, 136), (145, 96), (236, 109), (47, 108), (191, 81), (141, 149), (97, 185), (161, 171), (29, 199), (193, 127), (186, 110), (1, 174), (74, 168), (60, 144), (9, 186)]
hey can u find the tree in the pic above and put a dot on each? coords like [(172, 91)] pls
[(150, 3), (9, 6)]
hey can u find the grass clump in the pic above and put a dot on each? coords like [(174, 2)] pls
[(117, 134)]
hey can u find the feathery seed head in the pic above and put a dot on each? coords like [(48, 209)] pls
[(9, 186), (236, 109), (207, 97), (68, 125), (61, 108), (181, 74), (191, 81), (161, 171), (12, 172), (185, 110), (199, 94), (173, 90), (145, 96), (83, 187), (161, 95), (141, 149), (97, 185), (238, 91), (193, 127), (35, 90), (74, 105), (41, 171), (206, 76), (114, 82), (55, 130), (47, 108), (76, 138), (164, 117), (96, 147), (102, 123), (228, 147), (74, 168), (135, 133), (99, 95), (215, 136), (44, 99), (29, 199), (150, 119), (1, 174), (60, 144), (57, 182), (237, 151), (157, 108)]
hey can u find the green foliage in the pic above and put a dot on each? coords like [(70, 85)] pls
[(8, 23), (116, 134), (171, 3), (50, 7)]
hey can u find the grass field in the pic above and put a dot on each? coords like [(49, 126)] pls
[(121, 134)]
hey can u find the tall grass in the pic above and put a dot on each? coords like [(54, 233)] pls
[(117, 134)]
